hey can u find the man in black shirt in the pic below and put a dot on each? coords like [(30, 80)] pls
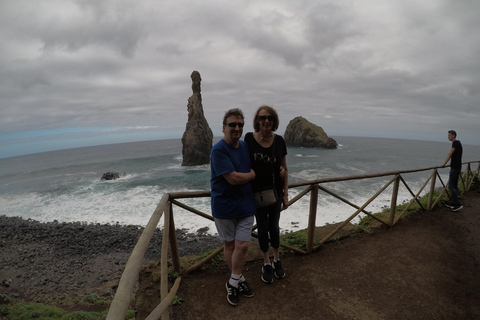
[(455, 155)]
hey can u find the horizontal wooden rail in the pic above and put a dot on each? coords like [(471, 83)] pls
[(355, 177)]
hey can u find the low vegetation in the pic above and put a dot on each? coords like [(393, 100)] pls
[(367, 222), (297, 239), (21, 310)]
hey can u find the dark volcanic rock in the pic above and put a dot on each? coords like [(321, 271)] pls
[(302, 133), (197, 138), (111, 175)]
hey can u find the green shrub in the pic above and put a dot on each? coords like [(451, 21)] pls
[(217, 258), (177, 301), (24, 311), (130, 314), (91, 298), (297, 239), (20, 310), (81, 315), (172, 274), (475, 182)]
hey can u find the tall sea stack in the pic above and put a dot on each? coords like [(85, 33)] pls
[(197, 138)]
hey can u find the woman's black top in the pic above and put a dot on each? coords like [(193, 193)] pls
[(265, 161)]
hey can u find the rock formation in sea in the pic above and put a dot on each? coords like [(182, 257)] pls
[(112, 175), (197, 138), (302, 133)]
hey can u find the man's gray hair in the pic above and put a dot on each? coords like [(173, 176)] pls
[(233, 112)]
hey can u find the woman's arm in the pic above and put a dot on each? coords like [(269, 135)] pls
[(285, 182)]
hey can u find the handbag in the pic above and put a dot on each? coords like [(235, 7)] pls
[(267, 196)]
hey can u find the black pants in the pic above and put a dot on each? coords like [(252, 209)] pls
[(268, 229), (453, 184)]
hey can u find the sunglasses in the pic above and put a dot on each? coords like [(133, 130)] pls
[(263, 118), (235, 124)]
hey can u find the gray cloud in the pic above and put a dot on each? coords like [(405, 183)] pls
[(403, 69)]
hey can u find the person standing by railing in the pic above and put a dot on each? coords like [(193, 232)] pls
[(233, 208), (268, 153), (455, 155)]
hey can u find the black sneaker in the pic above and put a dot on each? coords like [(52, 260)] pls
[(245, 289), (232, 294), (278, 269), (267, 274), (449, 205), (457, 207)]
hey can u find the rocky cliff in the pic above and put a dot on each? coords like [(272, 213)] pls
[(197, 138), (302, 133)]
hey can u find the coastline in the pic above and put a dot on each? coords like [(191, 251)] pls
[(56, 261)]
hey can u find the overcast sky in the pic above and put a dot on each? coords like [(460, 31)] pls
[(77, 73)]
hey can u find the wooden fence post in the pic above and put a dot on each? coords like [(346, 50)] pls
[(393, 202), (432, 190), (312, 217), (467, 175), (173, 242), (164, 261)]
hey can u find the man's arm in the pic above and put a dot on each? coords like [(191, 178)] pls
[(449, 155), (237, 178)]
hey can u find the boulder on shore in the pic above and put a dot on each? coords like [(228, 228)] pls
[(302, 133), (197, 138)]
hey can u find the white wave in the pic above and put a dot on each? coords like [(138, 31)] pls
[(136, 206), (311, 174), (301, 155)]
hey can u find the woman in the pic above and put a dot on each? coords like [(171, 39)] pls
[(268, 157)]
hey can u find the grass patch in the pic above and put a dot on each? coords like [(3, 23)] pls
[(297, 239), (27, 311), (188, 261), (173, 275), (367, 222), (218, 258), (95, 299), (21, 310), (177, 301)]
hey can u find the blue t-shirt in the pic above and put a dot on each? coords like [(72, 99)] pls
[(230, 201)]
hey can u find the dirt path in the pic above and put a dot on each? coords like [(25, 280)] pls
[(426, 267)]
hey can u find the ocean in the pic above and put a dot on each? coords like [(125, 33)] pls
[(66, 185)]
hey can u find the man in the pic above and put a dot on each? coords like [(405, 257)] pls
[(455, 155), (233, 207)]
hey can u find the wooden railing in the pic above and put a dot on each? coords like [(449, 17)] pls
[(121, 301)]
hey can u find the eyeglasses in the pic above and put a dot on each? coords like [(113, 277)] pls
[(263, 118), (234, 124)]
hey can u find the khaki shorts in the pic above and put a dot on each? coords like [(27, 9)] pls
[(235, 229)]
